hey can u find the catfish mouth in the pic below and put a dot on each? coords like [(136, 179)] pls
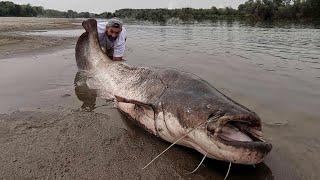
[(240, 131)]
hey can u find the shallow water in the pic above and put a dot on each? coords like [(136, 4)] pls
[(284, 50), (273, 71)]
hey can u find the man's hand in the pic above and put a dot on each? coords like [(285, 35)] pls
[(117, 58)]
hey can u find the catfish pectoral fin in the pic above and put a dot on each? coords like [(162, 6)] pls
[(131, 101)]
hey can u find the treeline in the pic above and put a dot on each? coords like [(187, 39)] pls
[(258, 10), (8, 8), (184, 14), (281, 10)]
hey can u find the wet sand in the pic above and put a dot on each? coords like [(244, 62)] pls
[(45, 135)]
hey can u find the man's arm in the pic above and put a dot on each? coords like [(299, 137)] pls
[(120, 46)]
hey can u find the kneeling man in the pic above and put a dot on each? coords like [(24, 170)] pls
[(112, 38)]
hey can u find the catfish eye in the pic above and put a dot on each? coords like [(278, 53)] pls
[(137, 107)]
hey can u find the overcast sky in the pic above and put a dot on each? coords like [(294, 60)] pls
[(98, 6)]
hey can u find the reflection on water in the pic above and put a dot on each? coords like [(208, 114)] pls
[(84, 93)]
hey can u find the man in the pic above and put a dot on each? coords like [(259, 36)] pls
[(112, 38)]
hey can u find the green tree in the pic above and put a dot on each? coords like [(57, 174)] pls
[(72, 14)]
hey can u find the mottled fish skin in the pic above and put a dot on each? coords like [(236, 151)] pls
[(169, 103)]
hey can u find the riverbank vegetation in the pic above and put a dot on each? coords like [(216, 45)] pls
[(257, 10), (9, 9)]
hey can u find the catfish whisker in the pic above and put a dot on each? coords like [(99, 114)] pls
[(227, 172), (198, 165), (175, 142)]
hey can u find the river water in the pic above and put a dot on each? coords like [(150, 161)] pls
[(275, 71)]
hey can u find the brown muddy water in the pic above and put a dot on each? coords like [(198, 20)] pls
[(274, 71)]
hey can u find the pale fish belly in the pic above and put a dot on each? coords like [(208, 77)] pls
[(168, 127)]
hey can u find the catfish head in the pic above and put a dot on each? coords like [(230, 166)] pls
[(216, 125)]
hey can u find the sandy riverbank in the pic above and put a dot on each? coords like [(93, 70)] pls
[(33, 23), (12, 43)]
